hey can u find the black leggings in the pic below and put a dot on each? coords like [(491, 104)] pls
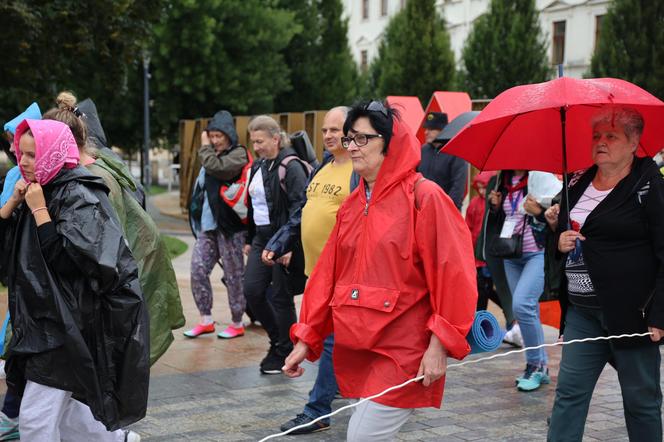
[(278, 313), (485, 291)]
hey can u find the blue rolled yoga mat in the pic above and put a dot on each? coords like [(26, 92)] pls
[(485, 334)]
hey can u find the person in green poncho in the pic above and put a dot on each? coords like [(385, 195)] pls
[(156, 274)]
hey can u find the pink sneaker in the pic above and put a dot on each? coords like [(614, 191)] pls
[(200, 329), (231, 332)]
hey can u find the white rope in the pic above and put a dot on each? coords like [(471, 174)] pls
[(472, 361)]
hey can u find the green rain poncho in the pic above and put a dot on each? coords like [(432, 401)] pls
[(156, 274)]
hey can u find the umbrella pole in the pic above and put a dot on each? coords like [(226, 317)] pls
[(563, 121)]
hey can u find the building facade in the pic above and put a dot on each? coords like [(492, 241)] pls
[(571, 27)]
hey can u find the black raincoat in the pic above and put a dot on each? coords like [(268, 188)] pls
[(78, 316)]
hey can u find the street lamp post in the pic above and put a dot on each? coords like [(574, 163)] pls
[(147, 172)]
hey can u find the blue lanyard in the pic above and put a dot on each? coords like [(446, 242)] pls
[(514, 203)]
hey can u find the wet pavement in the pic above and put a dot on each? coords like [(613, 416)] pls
[(208, 389)]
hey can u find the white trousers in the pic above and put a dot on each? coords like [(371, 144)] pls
[(374, 422), (51, 415)]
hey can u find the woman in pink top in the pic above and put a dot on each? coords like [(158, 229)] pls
[(525, 274)]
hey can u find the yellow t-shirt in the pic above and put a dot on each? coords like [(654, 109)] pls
[(328, 189)]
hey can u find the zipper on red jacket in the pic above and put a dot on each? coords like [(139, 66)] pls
[(361, 243)]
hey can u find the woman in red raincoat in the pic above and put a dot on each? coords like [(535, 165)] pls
[(396, 281)]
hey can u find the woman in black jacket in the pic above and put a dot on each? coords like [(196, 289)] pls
[(613, 279), (79, 352), (276, 192)]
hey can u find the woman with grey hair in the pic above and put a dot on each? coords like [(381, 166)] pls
[(276, 191), (613, 279)]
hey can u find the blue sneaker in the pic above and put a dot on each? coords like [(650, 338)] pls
[(8, 427), (533, 377)]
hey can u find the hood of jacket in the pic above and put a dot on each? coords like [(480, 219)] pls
[(482, 178), (31, 113), (402, 157), (96, 132), (223, 122)]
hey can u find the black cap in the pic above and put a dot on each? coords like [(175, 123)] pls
[(435, 120)]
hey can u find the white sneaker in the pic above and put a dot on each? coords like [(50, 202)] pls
[(131, 436), (513, 336)]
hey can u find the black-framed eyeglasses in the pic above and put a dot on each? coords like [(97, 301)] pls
[(359, 139), (377, 106)]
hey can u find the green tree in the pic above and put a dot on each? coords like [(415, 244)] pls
[(631, 45), (505, 48), (337, 71), (216, 54), (414, 57), (89, 47), (323, 73)]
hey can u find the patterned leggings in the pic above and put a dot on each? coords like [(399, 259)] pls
[(208, 249)]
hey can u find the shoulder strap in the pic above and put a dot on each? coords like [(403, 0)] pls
[(281, 171)]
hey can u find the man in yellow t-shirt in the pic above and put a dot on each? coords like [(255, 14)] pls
[(328, 188), (325, 193)]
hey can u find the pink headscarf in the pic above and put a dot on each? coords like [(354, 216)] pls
[(55, 148)]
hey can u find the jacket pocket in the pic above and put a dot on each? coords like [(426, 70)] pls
[(361, 313)]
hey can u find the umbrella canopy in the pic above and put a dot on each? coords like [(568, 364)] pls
[(455, 126), (529, 127)]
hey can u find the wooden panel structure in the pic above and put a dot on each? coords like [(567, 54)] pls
[(313, 124), (241, 124), (291, 121), (190, 141)]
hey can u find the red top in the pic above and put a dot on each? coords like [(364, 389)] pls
[(388, 277), (475, 210)]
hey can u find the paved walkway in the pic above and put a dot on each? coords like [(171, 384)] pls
[(209, 389)]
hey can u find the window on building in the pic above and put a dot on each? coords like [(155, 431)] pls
[(364, 60), (365, 9), (403, 3), (598, 29), (558, 42), (383, 8)]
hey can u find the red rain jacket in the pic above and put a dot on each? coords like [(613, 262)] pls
[(475, 210), (390, 275)]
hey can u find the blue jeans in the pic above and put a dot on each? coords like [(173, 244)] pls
[(325, 388), (525, 277)]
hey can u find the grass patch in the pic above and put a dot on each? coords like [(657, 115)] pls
[(175, 246), (156, 190)]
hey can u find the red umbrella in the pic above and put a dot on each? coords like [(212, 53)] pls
[(532, 126)]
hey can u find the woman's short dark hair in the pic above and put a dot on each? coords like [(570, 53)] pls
[(381, 117)]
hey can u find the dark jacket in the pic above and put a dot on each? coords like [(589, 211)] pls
[(79, 320), (490, 230), (97, 136), (220, 169), (624, 249), (284, 199), (448, 171), (282, 205), (281, 242)]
